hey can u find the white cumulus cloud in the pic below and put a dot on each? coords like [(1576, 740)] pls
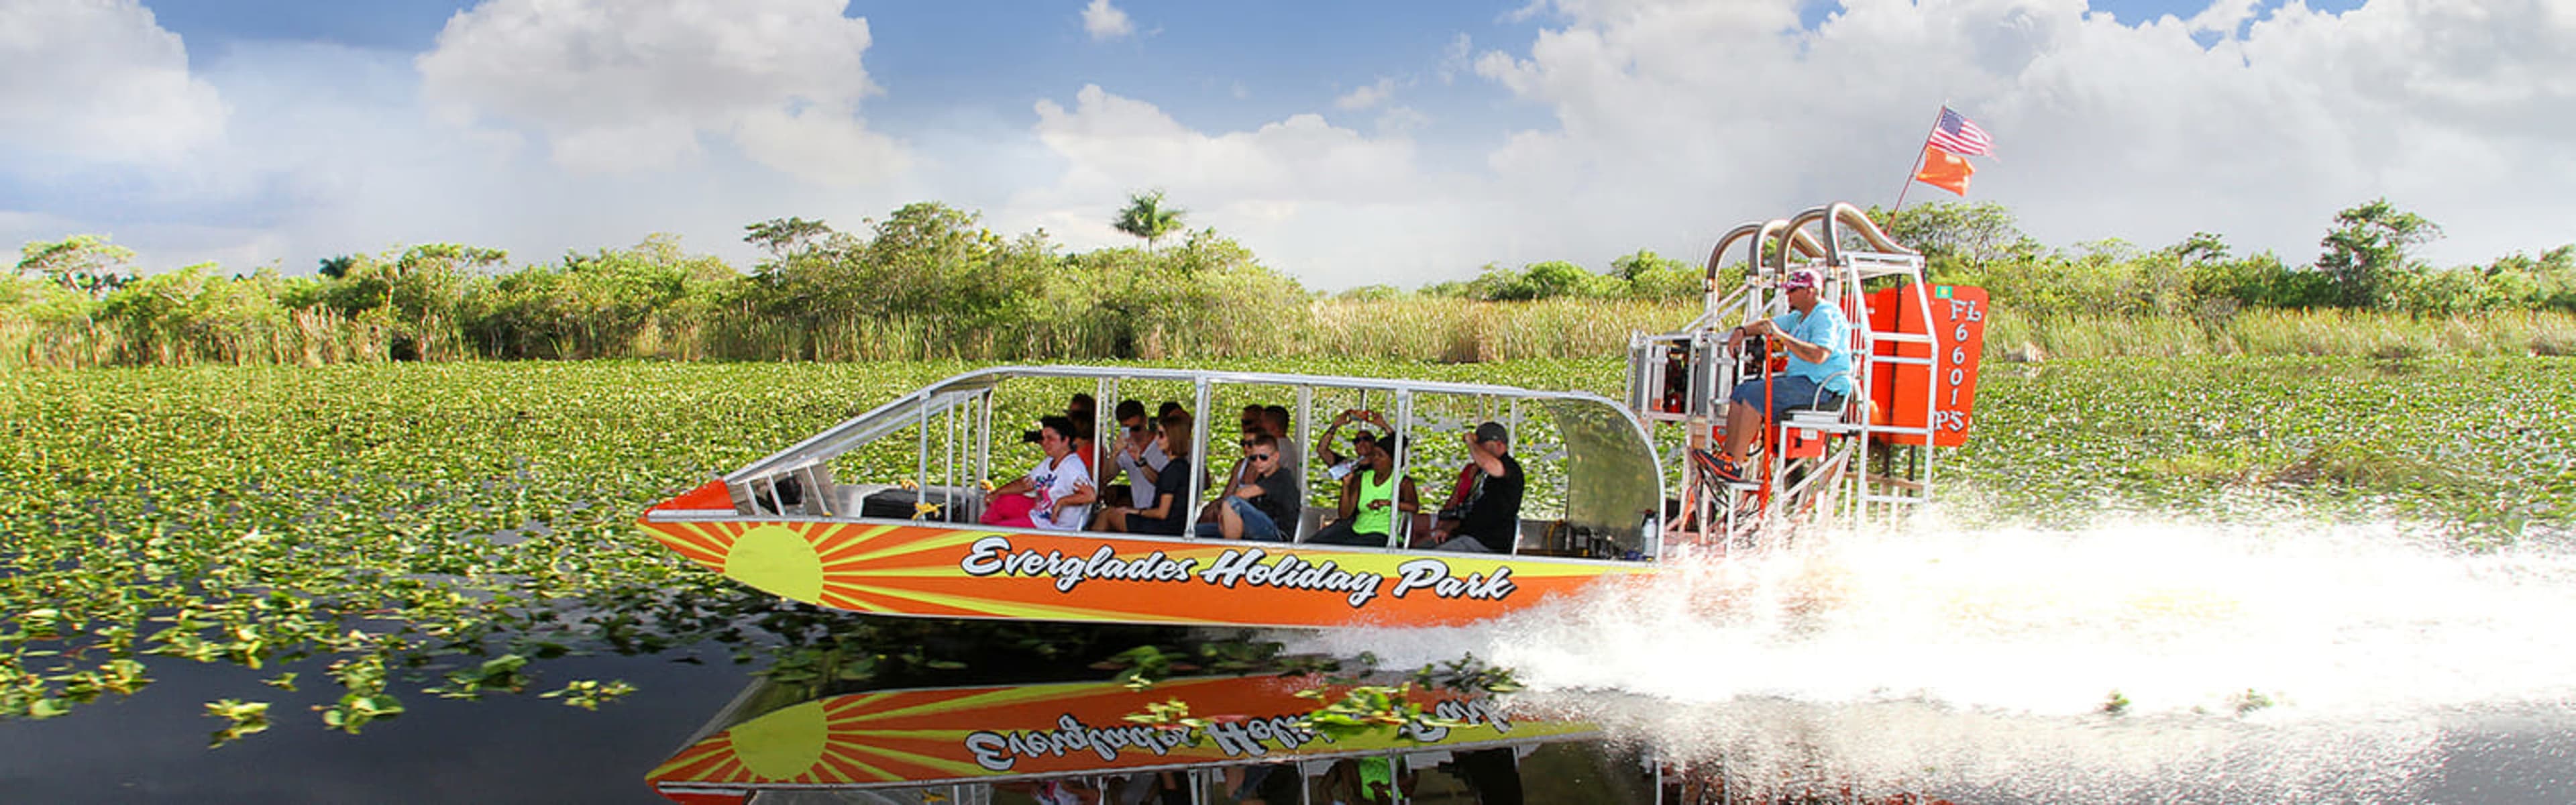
[(1367, 96), (2454, 110), (618, 87), (1105, 22), (99, 80), (1331, 205)]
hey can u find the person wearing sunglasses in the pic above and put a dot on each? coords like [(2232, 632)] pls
[(1261, 506), (1371, 499), (1137, 452), (1161, 514), (1337, 465), (1818, 338)]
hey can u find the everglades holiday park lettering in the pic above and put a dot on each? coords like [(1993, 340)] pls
[(1002, 750), (1237, 567)]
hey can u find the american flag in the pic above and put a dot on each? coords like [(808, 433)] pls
[(1958, 136)]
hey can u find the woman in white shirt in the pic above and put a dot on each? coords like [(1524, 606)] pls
[(1055, 495)]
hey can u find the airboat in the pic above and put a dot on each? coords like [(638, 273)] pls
[(881, 514)]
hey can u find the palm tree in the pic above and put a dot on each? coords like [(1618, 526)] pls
[(1147, 218)]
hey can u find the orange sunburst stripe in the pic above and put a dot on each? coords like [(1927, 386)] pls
[(943, 570), (909, 541), (941, 765), (696, 760), (1013, 609), (967, 701), (931, 557), (729, 770), (852, 763), (709, 561), (875, 602), (835, 535), (839, 599), (840, 708), (695, 544), (857, 540), (945, 744)]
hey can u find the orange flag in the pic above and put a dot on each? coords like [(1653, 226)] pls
[(1944, 170)]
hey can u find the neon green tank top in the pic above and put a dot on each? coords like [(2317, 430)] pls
[(1374, 521)]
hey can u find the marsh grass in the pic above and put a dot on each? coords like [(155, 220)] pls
[(1421, 328), (2362, 465), (1464, 331), (2313, 333)]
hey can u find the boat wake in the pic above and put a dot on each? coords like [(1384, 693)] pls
[(2267, 660)]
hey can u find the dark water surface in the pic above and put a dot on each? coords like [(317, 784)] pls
[(151, 747)]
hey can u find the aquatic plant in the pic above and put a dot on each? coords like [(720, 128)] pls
[(450, 529)]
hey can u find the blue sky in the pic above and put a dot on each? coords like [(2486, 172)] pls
[(1344, 142)]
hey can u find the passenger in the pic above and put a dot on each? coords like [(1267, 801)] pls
[(1818, 337), (1257, 420), (1055, 495), (1138, 454), (1371, 499), (1275, 421), (1487, 518), (1265, 784), (1085, 414), (1263, 505), (1493, 775), (1336, 464), (1171, 487), (1251, 420)]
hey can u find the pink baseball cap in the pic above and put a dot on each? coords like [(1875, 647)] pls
[(1801, 278)]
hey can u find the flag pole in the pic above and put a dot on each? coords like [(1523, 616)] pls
[(1917, 168)]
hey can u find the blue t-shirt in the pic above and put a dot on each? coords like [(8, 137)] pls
[(1823, 326)]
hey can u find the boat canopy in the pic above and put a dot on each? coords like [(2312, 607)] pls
[(1611, 481)]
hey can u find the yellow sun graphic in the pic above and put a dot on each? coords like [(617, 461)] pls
[(777, 559)]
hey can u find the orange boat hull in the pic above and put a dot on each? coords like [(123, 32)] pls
[(940, 570)]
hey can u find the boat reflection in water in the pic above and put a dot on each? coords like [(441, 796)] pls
[(1073, 743)]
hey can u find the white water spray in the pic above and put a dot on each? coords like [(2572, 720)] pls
[(2281, 659)]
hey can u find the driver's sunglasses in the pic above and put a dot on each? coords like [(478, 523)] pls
[(1263, 456)]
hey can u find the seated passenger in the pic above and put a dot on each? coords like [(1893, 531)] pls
[(1263, 505), (1336, 464), (1171, 486), (1137, 454), (1257, 421), (1371, 498), (1274, 421), (1487, 520), (1055, 495), (1085, 414)]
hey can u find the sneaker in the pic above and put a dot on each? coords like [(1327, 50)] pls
[(1719, 467)]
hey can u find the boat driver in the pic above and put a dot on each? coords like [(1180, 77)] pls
[(1818, 338)]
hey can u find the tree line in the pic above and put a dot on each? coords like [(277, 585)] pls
[(2365, 262), (931, 281)]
